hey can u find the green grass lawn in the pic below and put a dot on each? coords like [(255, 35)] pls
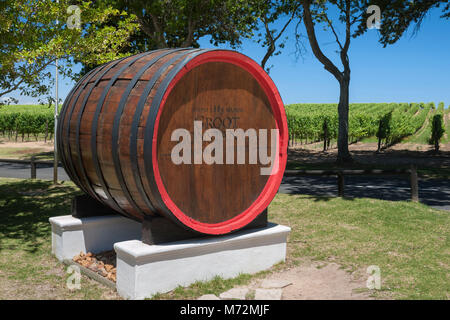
[(27, 268), (408, 241)]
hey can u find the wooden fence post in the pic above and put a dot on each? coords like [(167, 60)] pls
[(414, 184), (33, 168), (340, 180)]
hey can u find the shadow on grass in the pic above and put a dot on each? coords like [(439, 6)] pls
[(47, 155), (317, 198), (26, 206)]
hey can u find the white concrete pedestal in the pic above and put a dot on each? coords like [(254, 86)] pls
[(70, 235), (144, 270)]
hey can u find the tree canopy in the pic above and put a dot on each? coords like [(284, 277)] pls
[(399, 15), (269, 38), (34, 33), (181, 23)]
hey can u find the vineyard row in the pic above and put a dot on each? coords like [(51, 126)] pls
[(391, 122), (307, 122)]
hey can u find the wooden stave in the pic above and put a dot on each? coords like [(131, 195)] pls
[(67, 156)]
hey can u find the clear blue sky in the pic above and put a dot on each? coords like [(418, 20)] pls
[(415, 69)]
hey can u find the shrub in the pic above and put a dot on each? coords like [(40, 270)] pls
[(437, 131)]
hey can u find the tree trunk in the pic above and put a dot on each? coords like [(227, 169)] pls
[(188, 42), (343, 107)]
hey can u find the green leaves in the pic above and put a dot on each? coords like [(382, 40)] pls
[(398, 121), (21, 120), (181, 23), (268, 13), (34, 33), (399, 15)]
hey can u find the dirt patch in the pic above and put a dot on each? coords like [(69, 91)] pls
[(52, 286), (365, 153), (24, 150), (17, 290), (317, 281), (47, 146)]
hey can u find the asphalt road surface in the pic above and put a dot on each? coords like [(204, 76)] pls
[(435, 192), (23, 171)]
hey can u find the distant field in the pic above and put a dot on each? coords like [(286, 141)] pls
[(25, 122), (408, 122), (405, 122), (26, 108)]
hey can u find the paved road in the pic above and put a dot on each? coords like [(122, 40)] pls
[(435, 193), (23, 171)]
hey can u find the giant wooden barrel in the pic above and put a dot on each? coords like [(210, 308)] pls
[(126, 125)]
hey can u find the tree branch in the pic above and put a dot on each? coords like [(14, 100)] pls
[(271, 44), (294, 11), (344, 51), (330, 24), (17, 85), (309, 24)]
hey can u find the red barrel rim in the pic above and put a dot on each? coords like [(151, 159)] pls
[(271, 187)]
